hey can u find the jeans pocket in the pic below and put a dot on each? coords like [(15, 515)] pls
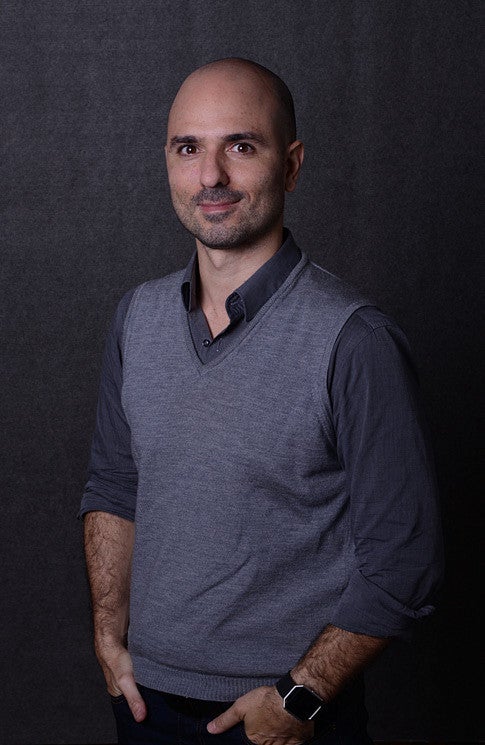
[(244, 738), (326, 735)]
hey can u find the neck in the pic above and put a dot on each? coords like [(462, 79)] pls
[(224, 270)]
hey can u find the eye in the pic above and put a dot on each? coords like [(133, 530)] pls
[(187, 150), (242, 147)]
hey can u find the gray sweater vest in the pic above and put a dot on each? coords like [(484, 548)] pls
[(243, 542)]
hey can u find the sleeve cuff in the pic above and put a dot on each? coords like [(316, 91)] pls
[(365, 608), (102, 501)]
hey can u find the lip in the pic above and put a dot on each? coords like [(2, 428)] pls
[(216, 206)]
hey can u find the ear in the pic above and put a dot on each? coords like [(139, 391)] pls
[(294, 160)]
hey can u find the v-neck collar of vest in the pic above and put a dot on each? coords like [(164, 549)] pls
[(233, 344)]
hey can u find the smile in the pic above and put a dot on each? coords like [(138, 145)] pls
[(216, 207)]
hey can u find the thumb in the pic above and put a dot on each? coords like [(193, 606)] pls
[(129, 689), (224, 721)]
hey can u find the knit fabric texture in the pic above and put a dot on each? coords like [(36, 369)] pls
[(243, 544)]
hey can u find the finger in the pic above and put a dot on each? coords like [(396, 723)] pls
[(224, 721), (130, 691)]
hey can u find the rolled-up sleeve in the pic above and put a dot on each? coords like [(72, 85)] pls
[(112, 475), (384, 446)]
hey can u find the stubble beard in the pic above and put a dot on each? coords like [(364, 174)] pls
[(213, 231)]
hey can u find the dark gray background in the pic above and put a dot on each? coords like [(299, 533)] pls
[(387, 102)]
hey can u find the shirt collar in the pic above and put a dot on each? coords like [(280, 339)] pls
[(189, 284), (250, 297)]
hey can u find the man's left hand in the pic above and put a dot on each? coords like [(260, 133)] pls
[(265, 720)]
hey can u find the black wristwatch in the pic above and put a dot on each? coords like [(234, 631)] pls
[(298, 700)]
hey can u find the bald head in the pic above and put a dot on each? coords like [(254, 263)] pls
[(267, 88), (231, 154)]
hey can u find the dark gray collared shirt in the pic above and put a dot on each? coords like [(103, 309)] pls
[(242, 304), (374, 399)]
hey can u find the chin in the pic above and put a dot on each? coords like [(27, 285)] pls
[(238, 236)]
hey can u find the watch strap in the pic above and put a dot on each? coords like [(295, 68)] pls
[(285, 684), (298, 700)]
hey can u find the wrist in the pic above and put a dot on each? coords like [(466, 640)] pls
[(300, 700), (111, 628)]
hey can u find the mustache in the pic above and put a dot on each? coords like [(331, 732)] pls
[(217, 196)]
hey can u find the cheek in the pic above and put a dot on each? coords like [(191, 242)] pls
[(269, 185), (180, 192), (183, 179)]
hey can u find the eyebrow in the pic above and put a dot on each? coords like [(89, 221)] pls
[(254, 136), (235, 137)]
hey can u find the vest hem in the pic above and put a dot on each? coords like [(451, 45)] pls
[(204, 686)]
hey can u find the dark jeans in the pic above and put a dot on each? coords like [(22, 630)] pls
[(173, 720)]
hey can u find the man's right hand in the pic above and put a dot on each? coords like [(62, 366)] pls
[(108, 545), (118, 672)]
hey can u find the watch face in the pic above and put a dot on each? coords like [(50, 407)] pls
[(302, 703)]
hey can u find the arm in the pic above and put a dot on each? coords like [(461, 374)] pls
[(108, 544), (333, 659), (112, 474), (108, 508), (383, 448)]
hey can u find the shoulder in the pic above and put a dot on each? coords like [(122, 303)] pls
[(367, 323), (324, 284), (160, 287), (326, 303), (321, 302), (146, 293), (370, 325), (152, 290), (371, 344)]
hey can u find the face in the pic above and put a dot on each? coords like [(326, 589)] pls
[(228, 164)]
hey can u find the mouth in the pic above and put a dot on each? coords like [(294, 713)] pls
[(216, 207), (217, 201)]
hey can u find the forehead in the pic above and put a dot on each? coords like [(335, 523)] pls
[(222, 101)]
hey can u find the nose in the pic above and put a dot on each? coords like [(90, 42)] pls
[(212, 170)]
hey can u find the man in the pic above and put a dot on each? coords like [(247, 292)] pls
[(261, 513)]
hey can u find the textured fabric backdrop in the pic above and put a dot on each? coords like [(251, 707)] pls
[(386, 96)]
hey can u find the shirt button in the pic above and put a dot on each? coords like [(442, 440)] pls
[(206, 342)]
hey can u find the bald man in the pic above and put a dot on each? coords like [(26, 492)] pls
[(261, 513)]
